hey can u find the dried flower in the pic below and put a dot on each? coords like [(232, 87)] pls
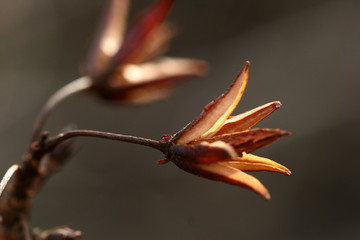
[(119, 64), (217, 146)]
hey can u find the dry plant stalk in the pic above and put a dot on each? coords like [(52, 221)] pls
[(121, 68)]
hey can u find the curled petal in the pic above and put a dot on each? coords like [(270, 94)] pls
[(150, 20), (250, 140), (215, 113), (250, 162), (109, 37), (202, 153), (248, 119), (221, 171)]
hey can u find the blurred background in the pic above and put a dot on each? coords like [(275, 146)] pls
[(304, 53)]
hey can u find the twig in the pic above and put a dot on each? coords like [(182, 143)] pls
[(15, 208), (76, 86)]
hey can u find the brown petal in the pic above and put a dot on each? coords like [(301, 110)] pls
[(164, 68), (248, 119), (221, 171), (141, 30), (141, 93), (109, 37), (155, 44), (250, 162), (151, 81), (215, 113), (202, 153), (250, 140)]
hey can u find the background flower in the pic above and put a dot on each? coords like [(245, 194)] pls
[(121, 62)]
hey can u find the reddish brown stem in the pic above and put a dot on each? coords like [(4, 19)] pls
[(53, 142)]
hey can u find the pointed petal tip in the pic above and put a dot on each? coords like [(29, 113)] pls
[(267, 196), (246, 66), (288, 172), (277, 104), (199, 67), (284, 133), (203, 67), (264, 193)]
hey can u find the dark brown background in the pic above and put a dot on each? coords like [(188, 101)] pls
[(303, 53)]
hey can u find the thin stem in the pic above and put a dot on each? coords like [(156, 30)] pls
[(53, 142), (76, 86)]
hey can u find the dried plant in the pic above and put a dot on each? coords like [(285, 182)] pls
[(216, 145), (121, 68)]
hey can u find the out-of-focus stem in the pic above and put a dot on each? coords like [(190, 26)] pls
[(76, 86)]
